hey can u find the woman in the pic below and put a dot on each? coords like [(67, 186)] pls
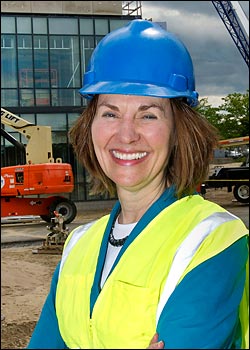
[(166, 268)]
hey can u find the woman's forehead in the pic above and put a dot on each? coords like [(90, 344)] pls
[(137, 99)]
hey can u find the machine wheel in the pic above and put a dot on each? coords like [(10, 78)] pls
[(241, 193), (46, 218), (63, 206)]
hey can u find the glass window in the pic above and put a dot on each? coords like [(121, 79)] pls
[(57, 150), (41, 77), (16, 135), (60, 150), (11, 155), (40, 42), (87, 47), (72, 118), (86, 26), (63, 26), (8, 24), (9, 97), (26, 77), (60, 138), (101, 26), (88, 42), (79, 193), (25, 61), (66, 97), (24, 25), (29, 117), (98, 39), (7, 41), (26, 97), (42, 74), (42, 97), (57, 121), (84, 101), (8, 62), (39, 25), (24, 41), (117, 23), (64, 59)]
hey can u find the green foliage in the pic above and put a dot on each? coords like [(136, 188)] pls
[(231, 118)]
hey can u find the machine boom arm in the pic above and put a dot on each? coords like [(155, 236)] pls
[(236, 23), (39, 145)]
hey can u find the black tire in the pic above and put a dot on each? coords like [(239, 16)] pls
[(46, 218), (241, 193), (65, 207)]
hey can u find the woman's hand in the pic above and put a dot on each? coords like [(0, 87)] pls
[(155, 343)]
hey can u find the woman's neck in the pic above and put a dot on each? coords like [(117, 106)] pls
[(135, 204)]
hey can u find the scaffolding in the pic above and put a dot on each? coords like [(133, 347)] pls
[(132, 8)]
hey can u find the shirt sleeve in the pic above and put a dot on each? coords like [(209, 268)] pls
[(203, 310), (46, 334)]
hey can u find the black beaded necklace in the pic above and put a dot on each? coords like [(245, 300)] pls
[(116, 242)]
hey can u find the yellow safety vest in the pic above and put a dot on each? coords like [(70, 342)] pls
[(128, 307)]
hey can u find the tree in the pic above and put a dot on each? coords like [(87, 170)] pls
[(231, 118), (235, 115), (209, 112)]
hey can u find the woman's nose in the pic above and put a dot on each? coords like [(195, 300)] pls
[(128, 132)]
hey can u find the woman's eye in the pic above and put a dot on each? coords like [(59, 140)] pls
[(109, 115), (149, 116)]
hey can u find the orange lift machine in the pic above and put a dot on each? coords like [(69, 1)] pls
[(37, 187)]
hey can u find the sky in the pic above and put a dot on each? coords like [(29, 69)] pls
[(219, 68)]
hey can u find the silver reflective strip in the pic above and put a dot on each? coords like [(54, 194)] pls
[(76, 235), (187, 250)]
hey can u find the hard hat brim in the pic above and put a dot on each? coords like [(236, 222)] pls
[(123, 88)]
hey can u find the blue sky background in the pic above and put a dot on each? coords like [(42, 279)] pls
[(219, 67)]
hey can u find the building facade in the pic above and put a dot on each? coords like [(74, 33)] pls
[(45, 49)]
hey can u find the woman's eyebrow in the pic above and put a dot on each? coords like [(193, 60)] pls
[(141, 108), (113, 107), (152, 105)]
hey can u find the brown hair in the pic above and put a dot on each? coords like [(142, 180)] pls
[(191, 149), (195, 140)]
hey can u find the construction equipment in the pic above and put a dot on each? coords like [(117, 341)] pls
[(236, 141), (236, 23), (36, 187), (235, 179), (54, 242)]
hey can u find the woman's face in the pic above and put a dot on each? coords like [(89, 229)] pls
[(131, 139)]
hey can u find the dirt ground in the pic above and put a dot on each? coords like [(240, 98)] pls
[(25, 282)]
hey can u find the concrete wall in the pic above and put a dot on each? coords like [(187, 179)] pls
[(64, 7)]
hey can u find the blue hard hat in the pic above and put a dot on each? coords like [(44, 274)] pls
[(141, 58)]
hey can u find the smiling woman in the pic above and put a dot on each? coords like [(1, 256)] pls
[(131, 137), (141, 276)]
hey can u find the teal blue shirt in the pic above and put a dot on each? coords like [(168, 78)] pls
[(201, 313)]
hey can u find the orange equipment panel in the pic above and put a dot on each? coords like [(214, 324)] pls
[(34, 179), (17, 206)]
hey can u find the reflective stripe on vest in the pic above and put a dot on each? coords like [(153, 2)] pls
[(186, 251), (75, 235)]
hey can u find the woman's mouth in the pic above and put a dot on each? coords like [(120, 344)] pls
[(129, 156)]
